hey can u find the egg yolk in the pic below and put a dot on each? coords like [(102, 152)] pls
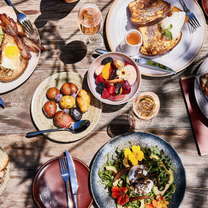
[(11, 51)]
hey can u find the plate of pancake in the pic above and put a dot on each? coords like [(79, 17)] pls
[(4, 170), (19, 52), (183, 52)]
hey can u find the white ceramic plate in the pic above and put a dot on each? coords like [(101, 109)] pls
[(6, 177), (201, 100), (118, 23), (6, 87), (39, 98)]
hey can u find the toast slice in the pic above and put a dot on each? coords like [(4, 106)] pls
[(153, 43), (148, 12), (6, 73)]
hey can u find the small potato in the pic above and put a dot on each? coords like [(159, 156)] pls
[(62, 119), (67, 101), (49, 108), (83, 100), (52, 92), (68, 88)]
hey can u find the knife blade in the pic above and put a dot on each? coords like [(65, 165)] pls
[(2, 102), (73, 177), (153, 65), (142, 61)]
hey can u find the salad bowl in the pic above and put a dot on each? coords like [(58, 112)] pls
[(143, 139)]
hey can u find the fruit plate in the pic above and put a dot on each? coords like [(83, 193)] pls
[(100, 194), (201, 98), (118, 23), (39, 98), (6, 87), (91, 78), (6, 177)]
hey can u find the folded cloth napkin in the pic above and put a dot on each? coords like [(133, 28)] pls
[(198, 120)]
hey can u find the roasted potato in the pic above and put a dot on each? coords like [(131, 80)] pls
[(67, 101), (52, 92), (62, 119), (49, 108), (68, 88), (83, 100)]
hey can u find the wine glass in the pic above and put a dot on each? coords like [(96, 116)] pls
[(90, 22), (145, 107)]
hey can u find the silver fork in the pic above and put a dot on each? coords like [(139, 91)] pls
[(192, 19), (65, 175), (23, 19)]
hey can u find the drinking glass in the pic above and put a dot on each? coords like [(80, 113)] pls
[(90, 23), (145, 107)]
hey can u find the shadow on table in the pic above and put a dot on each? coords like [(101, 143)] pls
[(28, 161), (53, 10)]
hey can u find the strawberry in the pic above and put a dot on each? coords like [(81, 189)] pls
[(111, 89), (105, 94), (126, 63), (107, 84), (99, 79)]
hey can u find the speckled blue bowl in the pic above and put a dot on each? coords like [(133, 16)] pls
[(100, 194)]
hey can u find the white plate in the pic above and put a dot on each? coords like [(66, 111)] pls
[(200, 97), (6, 177), (6, 87), (39, 98), (118, 23)]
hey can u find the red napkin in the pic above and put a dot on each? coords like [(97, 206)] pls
[(198, 120)]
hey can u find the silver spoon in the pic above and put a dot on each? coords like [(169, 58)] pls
[(75, 128)]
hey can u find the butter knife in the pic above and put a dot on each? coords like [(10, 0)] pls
[(2, 102), (142, 61), (73, 177)]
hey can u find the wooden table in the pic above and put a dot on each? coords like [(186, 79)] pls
[(57, 24)]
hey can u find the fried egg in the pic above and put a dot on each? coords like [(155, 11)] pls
[(10, 56)]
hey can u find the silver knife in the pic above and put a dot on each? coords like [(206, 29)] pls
[(2, 102), (73, 177), (143, 61)]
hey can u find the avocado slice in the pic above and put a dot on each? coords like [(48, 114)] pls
[(111, 168), (171, 180), (142, 205)]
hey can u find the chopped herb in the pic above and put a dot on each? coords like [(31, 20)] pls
[(167, 31)]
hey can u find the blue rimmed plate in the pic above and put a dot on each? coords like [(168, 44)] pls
[(100, 194)]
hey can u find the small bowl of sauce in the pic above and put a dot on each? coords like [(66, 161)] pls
[(131, 43)]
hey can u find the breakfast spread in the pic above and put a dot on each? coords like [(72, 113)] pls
[(114, 79), (72, 104), (16, 49), (162, 32), (204, 84), (139, 177)]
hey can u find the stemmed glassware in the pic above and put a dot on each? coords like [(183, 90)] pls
[(90, 22)]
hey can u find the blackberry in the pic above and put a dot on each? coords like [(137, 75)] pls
[(100, 87), (107, 60)]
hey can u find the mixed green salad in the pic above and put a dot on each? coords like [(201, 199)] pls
[(139, 177)]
